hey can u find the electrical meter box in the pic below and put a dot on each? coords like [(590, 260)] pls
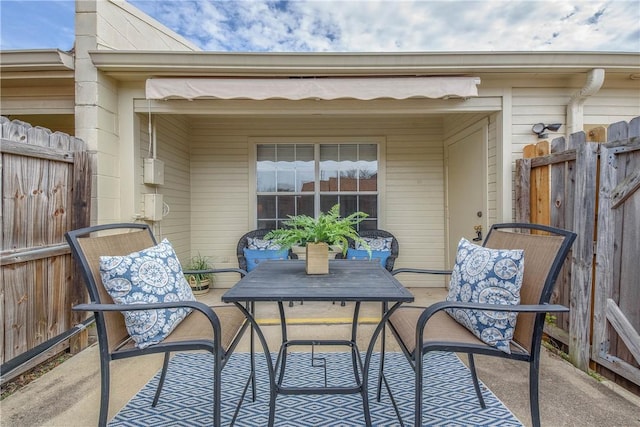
[(153, 172), (153, 207)]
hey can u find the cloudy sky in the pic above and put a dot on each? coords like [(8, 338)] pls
[(355, 25)]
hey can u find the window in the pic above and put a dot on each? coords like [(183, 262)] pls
[(309, 178)]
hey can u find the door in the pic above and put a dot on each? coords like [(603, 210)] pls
[(466, 187)]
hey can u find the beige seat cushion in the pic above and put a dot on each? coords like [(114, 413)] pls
[(440, 328), (196, 326)]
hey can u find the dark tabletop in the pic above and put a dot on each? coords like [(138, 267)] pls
[(347, 280)]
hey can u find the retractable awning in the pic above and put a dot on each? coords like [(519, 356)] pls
[(313, 88)]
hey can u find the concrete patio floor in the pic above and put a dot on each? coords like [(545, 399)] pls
[(69, 395)]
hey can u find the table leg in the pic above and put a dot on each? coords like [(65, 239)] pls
[(265, 347), (385, 307), (369, 354), (356, 361), (281, 361)]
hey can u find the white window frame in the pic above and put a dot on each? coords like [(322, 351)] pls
[(253, 142)]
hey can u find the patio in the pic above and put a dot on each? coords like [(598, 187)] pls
[(69, 395)]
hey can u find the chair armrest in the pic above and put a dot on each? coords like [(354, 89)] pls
[(195, 305), (420, 271), (529, 308), (240, 271)]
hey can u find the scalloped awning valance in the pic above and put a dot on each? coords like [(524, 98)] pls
[(327, 88)]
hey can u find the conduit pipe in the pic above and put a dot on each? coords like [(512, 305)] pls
[(575, 108)]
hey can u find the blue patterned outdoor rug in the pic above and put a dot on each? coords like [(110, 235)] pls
[(186, 400)]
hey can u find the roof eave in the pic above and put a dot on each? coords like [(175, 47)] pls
[(137, 64), (36, 60)]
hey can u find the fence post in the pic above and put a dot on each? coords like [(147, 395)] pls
[(582, 259), (540, 184), (522, 189), (81, 218)]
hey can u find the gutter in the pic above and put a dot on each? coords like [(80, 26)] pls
[(575, 108)]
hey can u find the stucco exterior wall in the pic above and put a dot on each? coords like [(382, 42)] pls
[(110, 24)]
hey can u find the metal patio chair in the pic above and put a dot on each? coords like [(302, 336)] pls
[(214, 329), (243, 243), (377, 233), (395, 247), (420, 330)]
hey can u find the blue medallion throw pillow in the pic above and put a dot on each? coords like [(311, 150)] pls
[(376, 243), (487, 276), (256, 243), (148, 276), (363, 254), (255, 256)]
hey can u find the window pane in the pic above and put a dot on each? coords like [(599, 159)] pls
[(286, 206), (266, 207), (305, 205), (368, 224), (368, 152), (266, 181), (329, 156), (368, 180), (266, 168), (306, 179), (348, 205), (266, 152), (304, 166), (285, 153), (369, 204), (348, 167), (267, 224), (286, 179), (327, 202), (288, 170)]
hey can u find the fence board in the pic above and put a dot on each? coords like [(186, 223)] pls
[(46, 191), (615, 338), (582, 251), (599, 198), (522, 190), (560, 216)]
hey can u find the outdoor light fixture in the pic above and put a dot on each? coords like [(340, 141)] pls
[(539, 128)]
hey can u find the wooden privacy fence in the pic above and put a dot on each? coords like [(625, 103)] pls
[(590, 184), (46, 191)]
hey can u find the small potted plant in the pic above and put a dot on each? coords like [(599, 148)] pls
[(317, 234), (200, 282)]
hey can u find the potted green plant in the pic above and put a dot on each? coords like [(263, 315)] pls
[(200, 282), (317, 234)]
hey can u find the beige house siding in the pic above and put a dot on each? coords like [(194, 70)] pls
[(172, 145), (612, 104), (34, 99), (412, 200), (492, 171)]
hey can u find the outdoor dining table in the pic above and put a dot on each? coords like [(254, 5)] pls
[(283, 281)]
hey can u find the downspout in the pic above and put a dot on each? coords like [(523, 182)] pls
[(575, 108)]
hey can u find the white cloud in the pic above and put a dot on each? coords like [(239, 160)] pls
[(357, 25), (399, 25)]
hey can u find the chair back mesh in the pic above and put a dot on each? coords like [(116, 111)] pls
[(92, 248), (540, 252)]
